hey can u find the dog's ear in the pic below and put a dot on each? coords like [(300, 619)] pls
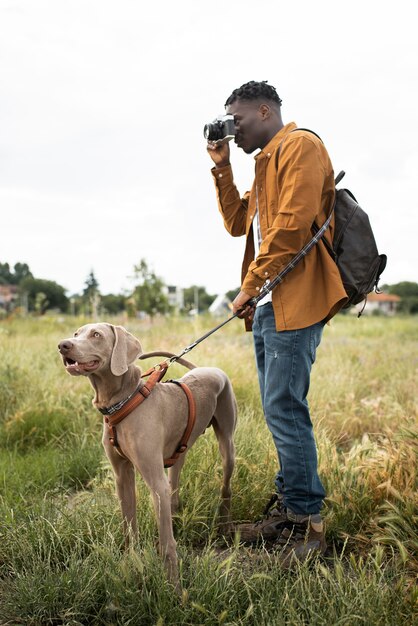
[(126, 350)]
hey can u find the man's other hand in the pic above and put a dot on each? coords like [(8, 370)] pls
[(219, 153), (239, 306)]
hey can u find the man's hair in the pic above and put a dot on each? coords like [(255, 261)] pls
[(255, 91)]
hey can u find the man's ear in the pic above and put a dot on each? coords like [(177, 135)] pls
[(126, 350), (265, 111)]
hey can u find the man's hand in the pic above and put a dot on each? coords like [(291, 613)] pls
[(219, 153), (239, 306)]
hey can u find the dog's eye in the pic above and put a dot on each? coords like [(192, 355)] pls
[(75, 334), (96, 334)]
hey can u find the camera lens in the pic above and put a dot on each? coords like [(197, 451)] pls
[(207, 131), (213, 131)]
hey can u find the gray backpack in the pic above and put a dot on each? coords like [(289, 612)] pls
[(354, 248)]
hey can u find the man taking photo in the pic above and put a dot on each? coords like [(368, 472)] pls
[(293, 189)]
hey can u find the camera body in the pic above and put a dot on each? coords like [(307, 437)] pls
[(220, 130)]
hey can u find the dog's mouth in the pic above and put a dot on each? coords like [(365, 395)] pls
[(75, 367)]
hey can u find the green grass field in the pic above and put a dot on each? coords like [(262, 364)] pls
[(61, 560)]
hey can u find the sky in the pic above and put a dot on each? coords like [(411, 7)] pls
[(102, 108)]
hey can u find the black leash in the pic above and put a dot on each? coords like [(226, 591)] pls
[(266, 289), (272, 284)]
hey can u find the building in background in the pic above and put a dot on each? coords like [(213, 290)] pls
[(9, 295), (384, 303), (221, 305), (175, 297)]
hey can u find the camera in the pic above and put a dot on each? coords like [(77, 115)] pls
[(220, 130)]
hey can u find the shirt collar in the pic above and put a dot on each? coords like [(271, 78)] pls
[(274, 143)]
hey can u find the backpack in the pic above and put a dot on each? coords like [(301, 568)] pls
[(354, 248)]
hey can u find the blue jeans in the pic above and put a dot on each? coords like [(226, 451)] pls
[(284, 361)]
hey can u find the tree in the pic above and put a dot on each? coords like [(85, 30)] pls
[(91, 294), (9, 277), (21, 271), (148, 295), (113, 304), (408, 292), (197, 298), (405, 289), (43, 295), (6, 277)]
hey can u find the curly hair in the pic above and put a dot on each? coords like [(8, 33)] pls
[(254, 91)]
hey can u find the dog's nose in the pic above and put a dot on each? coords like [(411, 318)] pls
[(65, 346)]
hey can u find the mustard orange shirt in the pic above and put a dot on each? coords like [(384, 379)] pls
[(293, 189)]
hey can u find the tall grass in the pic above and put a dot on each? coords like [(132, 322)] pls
[(61, 560)]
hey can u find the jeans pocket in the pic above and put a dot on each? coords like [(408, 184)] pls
[(283, 343)]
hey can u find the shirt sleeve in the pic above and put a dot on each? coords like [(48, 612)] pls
[(300, 181), (232, 207)]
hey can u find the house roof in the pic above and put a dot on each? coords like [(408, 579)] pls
[(383, 297)]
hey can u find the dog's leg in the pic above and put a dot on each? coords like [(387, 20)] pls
[(125, 489), (224, 423), (159, 487), (174, 480)]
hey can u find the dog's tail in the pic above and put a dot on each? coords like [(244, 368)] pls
[(148, 355)]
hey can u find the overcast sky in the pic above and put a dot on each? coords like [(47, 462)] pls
[(102, 156)]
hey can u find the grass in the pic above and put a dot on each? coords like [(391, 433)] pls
[(61, 560)]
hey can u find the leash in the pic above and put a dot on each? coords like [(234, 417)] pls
[(264, 291), (114, 415)]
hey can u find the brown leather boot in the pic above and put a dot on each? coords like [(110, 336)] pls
[(302, 537), (267, 529)]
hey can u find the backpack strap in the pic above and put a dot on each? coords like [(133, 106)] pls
[(315, 228), (308, 130)]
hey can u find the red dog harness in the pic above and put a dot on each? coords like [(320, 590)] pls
[(115, 415)]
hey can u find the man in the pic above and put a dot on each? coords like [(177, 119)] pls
[(293, 188)]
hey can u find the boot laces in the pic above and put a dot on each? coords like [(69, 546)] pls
[(292, 533)]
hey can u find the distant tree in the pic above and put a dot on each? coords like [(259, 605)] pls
[(148, 295), (113, 304), (21, 271), (408, 292), (91, 295), (197, 297), (6, 276), (43, 295), (405, 289), (9, 277)]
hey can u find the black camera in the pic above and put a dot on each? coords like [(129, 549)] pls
[(220, 130)]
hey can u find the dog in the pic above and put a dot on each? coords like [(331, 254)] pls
[(105, 354)]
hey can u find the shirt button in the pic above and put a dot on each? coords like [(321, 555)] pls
[(219, 175), (257, 288), (268, 154), (266, 273), (251, 217)]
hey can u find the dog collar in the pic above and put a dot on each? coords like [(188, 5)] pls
[(111, 410)]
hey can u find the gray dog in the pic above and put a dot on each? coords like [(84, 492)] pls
[(152, 431)]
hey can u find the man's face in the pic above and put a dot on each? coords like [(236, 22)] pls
[(250, 128)]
